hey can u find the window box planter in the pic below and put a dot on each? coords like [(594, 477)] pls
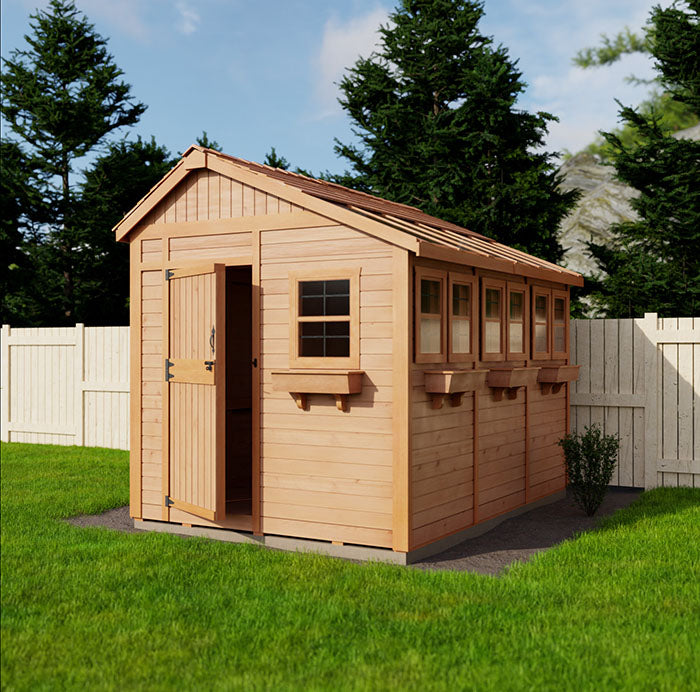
[(441, 383), (509, 380), (552, 377), (300, 383)]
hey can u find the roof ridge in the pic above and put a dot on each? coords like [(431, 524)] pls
[(281, 173)]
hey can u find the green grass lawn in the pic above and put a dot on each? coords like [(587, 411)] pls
[(95, 609)]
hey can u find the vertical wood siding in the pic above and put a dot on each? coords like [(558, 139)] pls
[(328, 474), (152, 376), (192, 406), (66, 386), (206, 195), (640, 379)]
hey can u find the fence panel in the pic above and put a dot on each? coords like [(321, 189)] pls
[(641, 379), (66, 386)]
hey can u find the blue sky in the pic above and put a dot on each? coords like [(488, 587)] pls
[(261, 74)]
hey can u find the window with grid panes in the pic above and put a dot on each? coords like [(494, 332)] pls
[(324, 318)]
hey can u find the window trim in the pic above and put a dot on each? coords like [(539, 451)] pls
[(324, 362), (499, 285), (471, 281), (558, 293), (547, 292), (433, 275), (517, 287)]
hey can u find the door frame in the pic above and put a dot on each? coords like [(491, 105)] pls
[(242, 261)]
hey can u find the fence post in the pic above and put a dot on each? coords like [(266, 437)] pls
[(79, 370), (649, 326), (5, 403)]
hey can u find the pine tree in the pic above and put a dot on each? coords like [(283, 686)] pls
[(113, 184), (435, 114), (671, 115), (653, 264), (62, 97)]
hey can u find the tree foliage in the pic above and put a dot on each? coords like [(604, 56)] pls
[(435, 114), (115, 182), (63, 97), (613, 49), (670, 113), (653, 264)]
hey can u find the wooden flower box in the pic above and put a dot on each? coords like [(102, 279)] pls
[(552, 377), (455, 383), (509, 380), (300, 383)]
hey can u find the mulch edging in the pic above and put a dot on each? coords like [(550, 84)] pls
[(515, 540)]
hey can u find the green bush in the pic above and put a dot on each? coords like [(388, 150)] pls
[(590, 459)]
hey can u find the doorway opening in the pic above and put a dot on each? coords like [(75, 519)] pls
[(239, 391)]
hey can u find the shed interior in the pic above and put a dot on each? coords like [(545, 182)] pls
[(239, 391)]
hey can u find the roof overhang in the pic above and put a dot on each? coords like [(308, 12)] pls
[(414, 237)]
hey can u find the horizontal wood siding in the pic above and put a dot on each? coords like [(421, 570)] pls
[(501, 475), (327, 474), (547, 425), (442, 491)]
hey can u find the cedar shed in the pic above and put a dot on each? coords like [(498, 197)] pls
[(317, 368)]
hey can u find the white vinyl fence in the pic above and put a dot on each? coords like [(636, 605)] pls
[(641, 379), (66, 386)]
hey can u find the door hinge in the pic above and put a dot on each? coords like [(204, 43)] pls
[(168, 501), (169, 274), (168, 374)]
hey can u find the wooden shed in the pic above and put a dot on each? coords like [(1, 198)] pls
[(312, 366)]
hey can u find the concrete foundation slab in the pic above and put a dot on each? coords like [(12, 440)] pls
[(346, 551)]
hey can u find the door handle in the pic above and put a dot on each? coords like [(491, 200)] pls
[(209, 364)]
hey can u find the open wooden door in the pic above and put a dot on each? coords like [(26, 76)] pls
[(194, 396)]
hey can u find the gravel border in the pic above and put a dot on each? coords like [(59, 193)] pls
[(519, 538), (515, 540)]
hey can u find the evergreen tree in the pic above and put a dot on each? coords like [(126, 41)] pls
[(435, 113), (18, 205), (654, 264), (114, 183), (671, 115), (204, 141), (273, 160), (62, 97)]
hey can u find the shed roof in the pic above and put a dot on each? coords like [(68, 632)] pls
[(401, 224)]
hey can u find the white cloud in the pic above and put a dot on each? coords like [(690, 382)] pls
[(125, 15), (188, 20), (342, 44), (584, 99)]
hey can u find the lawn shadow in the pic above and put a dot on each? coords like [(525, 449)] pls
[(519, 538)]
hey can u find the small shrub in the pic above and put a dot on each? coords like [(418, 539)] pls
[(590, 459)]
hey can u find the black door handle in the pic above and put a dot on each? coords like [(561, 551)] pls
[(255, 362), (209, 364)]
